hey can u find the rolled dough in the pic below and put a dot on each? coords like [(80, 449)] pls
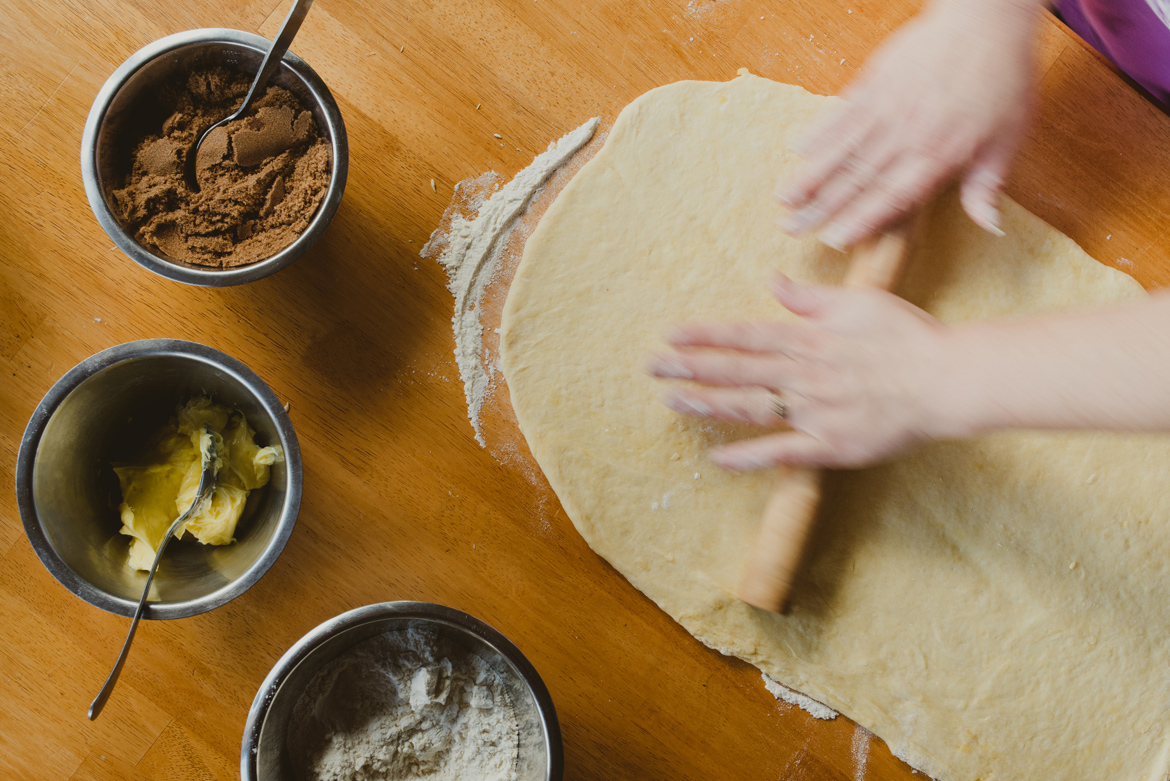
[(996, 609)]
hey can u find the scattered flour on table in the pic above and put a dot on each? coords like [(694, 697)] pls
[(861, 740), (469, 251), (701, 8), (792, 697), (406, 704)]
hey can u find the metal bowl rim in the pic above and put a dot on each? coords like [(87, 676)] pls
[(112, 356), (405, 610), (212, 277)]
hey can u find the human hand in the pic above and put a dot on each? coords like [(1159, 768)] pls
[(858, 375), (948, 95)]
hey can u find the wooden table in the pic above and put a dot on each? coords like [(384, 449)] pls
[(399, 500)]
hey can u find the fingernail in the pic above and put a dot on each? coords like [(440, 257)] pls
[(675, 335), (801, 143), (669, 366), (835, 236), (987, 217), (786, 196), (802, 220), (685, 405), (736, 461), (781, 284)]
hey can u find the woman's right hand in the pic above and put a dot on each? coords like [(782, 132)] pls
[(948, 95), (861, 374)]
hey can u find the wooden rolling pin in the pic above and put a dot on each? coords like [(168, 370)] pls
[(792, 506)]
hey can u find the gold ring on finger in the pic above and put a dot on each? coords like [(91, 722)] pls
[(777, 405)]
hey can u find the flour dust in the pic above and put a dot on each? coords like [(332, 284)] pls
[(407, 704), (781, 692), (861, 740), (477, 323), (469, 251)]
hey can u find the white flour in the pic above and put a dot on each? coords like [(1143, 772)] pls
[(407, 704), (781, 692), (469, 251), (861, 740)]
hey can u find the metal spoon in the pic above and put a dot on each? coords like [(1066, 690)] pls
[(202, 493), (272, 59)]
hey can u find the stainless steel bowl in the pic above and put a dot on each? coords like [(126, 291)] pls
[(102, 411), (106, 144), (264, 755)]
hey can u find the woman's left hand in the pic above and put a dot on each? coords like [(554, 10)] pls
[(859, 376)]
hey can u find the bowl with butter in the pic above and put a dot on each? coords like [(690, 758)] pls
[(111, 456)]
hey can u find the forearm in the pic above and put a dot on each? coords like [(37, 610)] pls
[(1105, 370), (1012, 14), (1007, 27)]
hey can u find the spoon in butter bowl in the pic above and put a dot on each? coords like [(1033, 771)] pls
[(210, 465), (268, 65)]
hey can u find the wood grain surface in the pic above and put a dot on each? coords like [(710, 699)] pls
[(399, 500)]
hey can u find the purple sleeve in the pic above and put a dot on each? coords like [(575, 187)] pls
[(1134, 34)]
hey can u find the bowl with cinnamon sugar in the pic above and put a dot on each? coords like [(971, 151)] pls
[(269, 183)]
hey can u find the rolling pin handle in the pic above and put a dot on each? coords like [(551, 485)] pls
[(878, 262), (792, 506), (784, 529)]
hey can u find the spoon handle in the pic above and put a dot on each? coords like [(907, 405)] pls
[(202, 493), (272, 59), (99, 701)]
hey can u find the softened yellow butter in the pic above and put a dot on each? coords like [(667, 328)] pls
[(161, 489)]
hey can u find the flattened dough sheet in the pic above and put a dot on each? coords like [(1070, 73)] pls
[(997, 609)]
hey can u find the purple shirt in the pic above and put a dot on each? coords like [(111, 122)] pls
[(1134, 34)]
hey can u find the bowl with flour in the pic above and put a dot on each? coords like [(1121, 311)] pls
[(402, 690), (269, 183)]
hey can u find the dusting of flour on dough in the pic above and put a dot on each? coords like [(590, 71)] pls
[(469, 251), (792, 697)]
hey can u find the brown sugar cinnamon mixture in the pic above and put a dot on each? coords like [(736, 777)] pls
[(261, 178)]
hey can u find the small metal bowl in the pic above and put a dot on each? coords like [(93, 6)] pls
[(264, 755), (129, 95), (103, 411)]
